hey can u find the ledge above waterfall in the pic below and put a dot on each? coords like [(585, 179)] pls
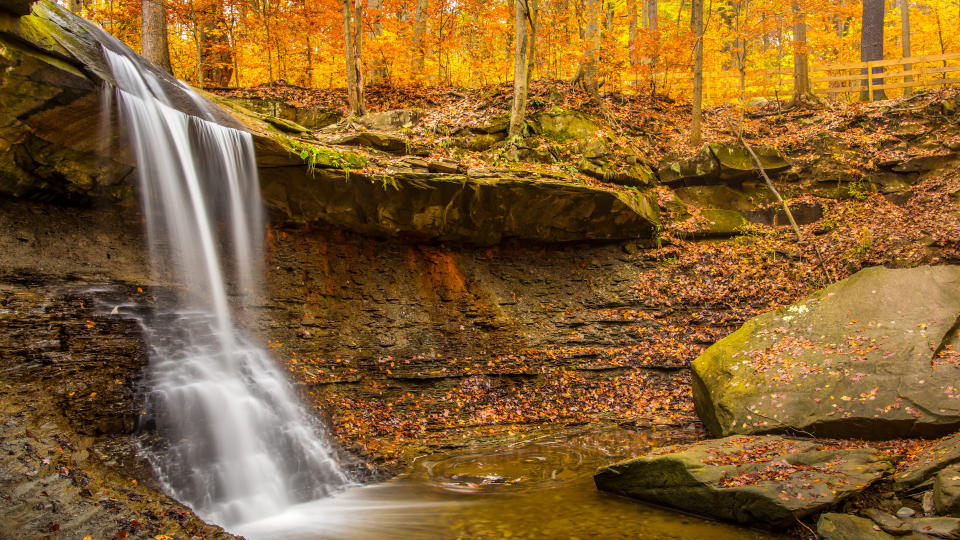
[(374, 183), (482, 207)]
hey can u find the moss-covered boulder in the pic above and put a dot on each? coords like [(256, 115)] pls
[(872, 356), (755, 480), (721, 163), (562, 126), (391, 120), (374, 140), (717, 223), (744, 198), (481, 208)]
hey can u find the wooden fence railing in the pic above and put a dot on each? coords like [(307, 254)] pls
[(907, 73), (844, 81)]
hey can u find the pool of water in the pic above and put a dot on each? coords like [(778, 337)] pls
[(537, 487)]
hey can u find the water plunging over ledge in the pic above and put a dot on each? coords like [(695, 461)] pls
[(238, 445)]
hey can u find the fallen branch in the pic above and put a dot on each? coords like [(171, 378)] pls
[(786, 208)]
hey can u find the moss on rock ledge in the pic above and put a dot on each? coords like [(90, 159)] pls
[(478, 208)]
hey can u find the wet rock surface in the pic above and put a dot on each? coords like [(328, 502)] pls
[(767, 479), (68, 408), (871, 356)]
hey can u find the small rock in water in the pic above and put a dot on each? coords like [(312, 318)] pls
[(904, 513)]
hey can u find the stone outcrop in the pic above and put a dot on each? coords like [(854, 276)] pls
[(870, 357), (476, 208), (391, 120), (308, 117), (562, 126), (756, 480), (946, 490), (719, 163)]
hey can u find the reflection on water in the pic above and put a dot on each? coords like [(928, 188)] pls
[(541, 487)]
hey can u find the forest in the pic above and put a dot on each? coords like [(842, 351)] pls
[(533, 269), (638, 45)]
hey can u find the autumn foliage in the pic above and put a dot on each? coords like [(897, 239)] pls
[(220, 43)]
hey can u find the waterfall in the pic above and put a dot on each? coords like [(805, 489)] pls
[(237, 445)]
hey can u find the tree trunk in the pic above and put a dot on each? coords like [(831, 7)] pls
[(520, 68), (586, 76), (650, 17), (378, 70), (905, 26), (801, 59), (76, 7), (533, 12), (871, 44), (652, 24), (196, 42), (154, 38), (696, 24), (419, 31), (352, 19), (309, 77), (632, 31)]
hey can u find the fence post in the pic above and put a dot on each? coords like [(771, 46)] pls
[(870, 80)]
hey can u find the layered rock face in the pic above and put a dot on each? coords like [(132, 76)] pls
[(70, 405), (873, 356)]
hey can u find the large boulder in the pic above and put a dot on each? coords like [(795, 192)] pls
[(391, 120), (721, 163), (871, 357), (756, 480), (480, 208), (384, 142), (562, 126)]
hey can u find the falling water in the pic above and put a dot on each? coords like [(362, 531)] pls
[(238, 446)]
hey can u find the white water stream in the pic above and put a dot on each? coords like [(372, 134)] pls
[(238, 445)]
